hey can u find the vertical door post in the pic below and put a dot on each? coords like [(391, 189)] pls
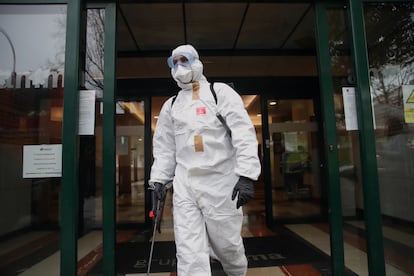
[(330, 149), (69, 192), (108, 167), (372, 206)]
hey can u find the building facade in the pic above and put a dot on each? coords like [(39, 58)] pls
[(329, 86)]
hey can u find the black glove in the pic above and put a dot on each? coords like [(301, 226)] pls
[(158, 194), (244, 187), (160, 191)]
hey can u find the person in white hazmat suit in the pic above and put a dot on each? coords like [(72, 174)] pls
[(210, 167)]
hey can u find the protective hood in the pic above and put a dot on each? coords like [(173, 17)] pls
[(193, 73)]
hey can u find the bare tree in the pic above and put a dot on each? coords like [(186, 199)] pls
[(390, 39), (94, 63), (94, 53)]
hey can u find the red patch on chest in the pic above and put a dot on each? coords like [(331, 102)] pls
[(201, 110)]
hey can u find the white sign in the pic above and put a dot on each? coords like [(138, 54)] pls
[(42, 161), (408, 96), (87, 112), (119, 109), (291, 141), (351, 120), (348, 94)]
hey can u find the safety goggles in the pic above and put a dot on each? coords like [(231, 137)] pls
[(182, 58)]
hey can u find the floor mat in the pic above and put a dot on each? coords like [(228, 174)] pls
[(282, 249)]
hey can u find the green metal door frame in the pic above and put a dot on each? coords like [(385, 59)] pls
[(70, 142), (372, 205), (69, 202), (372, 208), (267, 178), (330, 146), (108, 155)]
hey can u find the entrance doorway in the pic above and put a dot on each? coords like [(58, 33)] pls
[(292, 178), (259, 46), (291, 124), (294, 159), (238, 54)]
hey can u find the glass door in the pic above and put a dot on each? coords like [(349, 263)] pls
[(130, 145), (347, 131), (31, 40), (294, 158), (254, 211)]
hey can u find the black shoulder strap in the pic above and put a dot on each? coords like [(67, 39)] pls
[(218, 115), (173, 100), (213, 91)]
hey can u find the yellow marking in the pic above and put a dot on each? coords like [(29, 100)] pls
[(198, 143), (411, 98), (196, 91)]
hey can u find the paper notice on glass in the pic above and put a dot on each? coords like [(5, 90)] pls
[(348, 94), (119, 108), (291, 141), (42, 161), (408, 97), (86, 112)]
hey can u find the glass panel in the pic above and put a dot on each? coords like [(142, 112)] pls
[(347, 133), (130, 191), (130, 175), (90, 159), (90, 148), (294, 158), (346, 125), (32, 43), (254, 211), (390, 40)]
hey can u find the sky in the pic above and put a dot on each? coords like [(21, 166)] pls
[(36, 33)]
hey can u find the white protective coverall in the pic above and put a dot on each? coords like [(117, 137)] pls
[(192, 147)]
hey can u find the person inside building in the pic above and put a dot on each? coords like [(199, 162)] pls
[(212, 163), (294, 164)]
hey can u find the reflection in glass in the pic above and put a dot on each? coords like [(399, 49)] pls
[(130, 158), (347, 135), (390, 39), (392, 78), (42, 27), (94, 60), (90, 153), (31, 98), (294, 158)]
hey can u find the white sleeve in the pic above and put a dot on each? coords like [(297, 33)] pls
[(163, 167), (243, 133)]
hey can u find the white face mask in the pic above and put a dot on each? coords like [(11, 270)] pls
[(183, 74)]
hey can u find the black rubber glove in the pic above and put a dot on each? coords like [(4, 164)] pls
[(158, 194), (244, 187), (160, 191)]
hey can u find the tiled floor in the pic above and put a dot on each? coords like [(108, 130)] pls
[(90, 251), (398, 244), (303, 270)]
